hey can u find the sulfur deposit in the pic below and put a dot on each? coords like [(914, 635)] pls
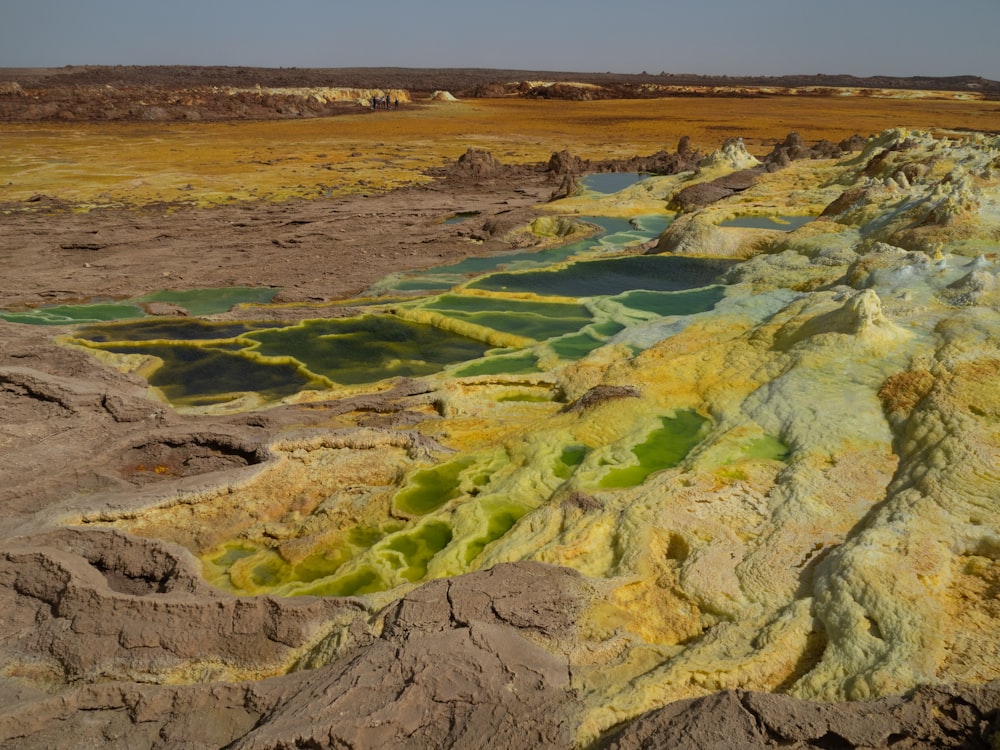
[(790, 489)]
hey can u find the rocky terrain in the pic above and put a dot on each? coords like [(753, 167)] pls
[(157, 93), (819, 568)]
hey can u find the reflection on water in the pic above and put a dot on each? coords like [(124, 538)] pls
[(577, 346), (363, 350), (205, 362)]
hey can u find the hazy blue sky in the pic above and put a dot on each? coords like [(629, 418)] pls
[(767, 37)]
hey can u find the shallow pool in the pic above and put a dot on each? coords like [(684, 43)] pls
[(610, 276), (611, 182), (557, 304), (194, 301)]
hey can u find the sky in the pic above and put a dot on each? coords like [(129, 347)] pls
[(710, 37)]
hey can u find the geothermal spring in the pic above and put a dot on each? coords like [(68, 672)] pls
[(764, 433)]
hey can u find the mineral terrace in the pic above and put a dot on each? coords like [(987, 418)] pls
[(724, 476)]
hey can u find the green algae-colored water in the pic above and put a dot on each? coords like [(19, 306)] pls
[(366, 349), (615, 234), (410, 552), (455, 515), (195, 301), (209, 362), (577, 346), (278, 362), (767, 447), (531, 319), (501, 515), (350, 569), (193, 375), (166, 329), (574, 346), (610, 276), (571, 457), (663, 449), (510, 364), (60, 315), (673, 303), (366, 561), (429, 489), (445, 277)]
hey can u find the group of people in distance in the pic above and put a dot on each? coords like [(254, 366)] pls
[(384, 102)]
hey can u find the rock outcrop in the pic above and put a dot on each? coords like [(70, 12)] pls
[(462, 663), (682, 159), (928, 718)]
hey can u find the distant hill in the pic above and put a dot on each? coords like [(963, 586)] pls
[(176, 92), (460, 81)]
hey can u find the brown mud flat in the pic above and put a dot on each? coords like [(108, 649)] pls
[(94, 617)]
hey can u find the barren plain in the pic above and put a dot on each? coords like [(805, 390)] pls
[(705, 459)]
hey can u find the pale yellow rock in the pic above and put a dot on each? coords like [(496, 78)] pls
[(732, 156)]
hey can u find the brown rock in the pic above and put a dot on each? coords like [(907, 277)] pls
[(601, 394), (164, 308), (932, 717), (472, 662), (96, 605), (478, 164), (453, 668), (563, 162), (567, 188), (705, 193), (716, 721), (794, 148)]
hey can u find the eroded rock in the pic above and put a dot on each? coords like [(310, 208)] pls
[(928, 718), (458, 664)]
